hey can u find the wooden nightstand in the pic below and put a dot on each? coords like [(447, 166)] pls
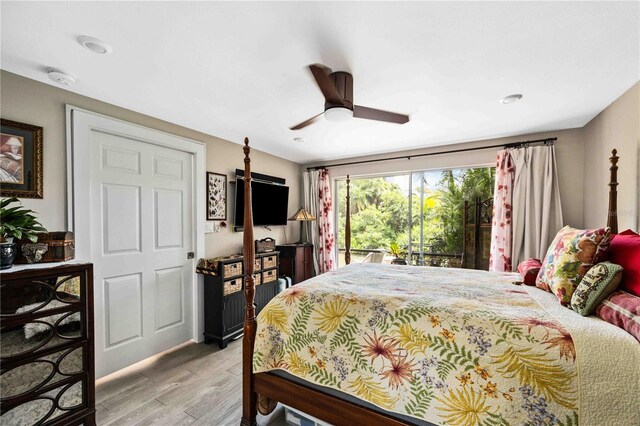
[(296, 261)]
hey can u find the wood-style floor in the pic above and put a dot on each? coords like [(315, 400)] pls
[(193, 384)]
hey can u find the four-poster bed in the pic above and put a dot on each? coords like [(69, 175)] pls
[(277, 388), (337, 407)]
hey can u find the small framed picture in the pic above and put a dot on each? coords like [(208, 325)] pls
[(20, 160), (216, 196)]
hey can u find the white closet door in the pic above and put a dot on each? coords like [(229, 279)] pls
[(141, 236)]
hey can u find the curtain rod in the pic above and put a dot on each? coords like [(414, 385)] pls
[(453, 151)]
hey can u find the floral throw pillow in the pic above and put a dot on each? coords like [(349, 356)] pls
[(571, 254)]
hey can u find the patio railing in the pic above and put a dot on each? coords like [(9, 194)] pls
[(451, 260)]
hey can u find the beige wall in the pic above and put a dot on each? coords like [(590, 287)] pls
[(570, 158), (617, 126), (582, 158), (32, 102)]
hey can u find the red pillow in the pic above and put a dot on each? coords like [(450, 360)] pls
[(529, 270), (625, 251), (622, 310)]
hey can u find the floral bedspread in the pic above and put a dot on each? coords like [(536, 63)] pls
[(449, 346)]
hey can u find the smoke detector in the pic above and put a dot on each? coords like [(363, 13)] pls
[(61, 77), (511, 98)]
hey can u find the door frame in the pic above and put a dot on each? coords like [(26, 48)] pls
[(79, 124)]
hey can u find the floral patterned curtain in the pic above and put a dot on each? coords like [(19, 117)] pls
[(324, 219), (318, 201), (500, 256)]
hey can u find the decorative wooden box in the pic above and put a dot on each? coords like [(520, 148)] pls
[(265, 245), (61, 247)]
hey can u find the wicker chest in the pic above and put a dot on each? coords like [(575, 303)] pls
[(223, 296)]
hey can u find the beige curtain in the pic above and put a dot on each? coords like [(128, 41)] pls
[(310, 186), (537, 211)]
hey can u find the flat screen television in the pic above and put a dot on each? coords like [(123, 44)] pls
[(269, 201)]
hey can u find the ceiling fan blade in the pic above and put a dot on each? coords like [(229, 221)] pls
[(326, 85), (379, 115), (306, 123)]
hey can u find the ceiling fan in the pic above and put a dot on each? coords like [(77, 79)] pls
[(337, 88)]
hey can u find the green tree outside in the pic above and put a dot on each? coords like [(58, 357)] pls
[(379, 209)]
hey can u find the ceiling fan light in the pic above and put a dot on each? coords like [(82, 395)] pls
[(338, 114)]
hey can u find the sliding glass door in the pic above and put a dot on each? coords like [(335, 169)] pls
[(379, 207), (435, 239), (425, 215), (438, 213)]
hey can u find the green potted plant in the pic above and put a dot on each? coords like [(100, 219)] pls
[(395, 251), (16, 222)]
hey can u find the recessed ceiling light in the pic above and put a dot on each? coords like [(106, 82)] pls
[(511, 98), (299, 140), (95, 45), (61, 77)]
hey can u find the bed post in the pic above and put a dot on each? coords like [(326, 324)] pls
[(464, 231), (248, 388), (347, 227), (612, 216)]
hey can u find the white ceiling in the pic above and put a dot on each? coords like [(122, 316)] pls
[(237, 69)]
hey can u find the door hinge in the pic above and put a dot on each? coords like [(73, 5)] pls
[(191, 255)]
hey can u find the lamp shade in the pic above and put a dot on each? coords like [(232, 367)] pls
[(302, 215)]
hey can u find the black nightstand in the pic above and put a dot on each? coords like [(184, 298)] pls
[(224, 296)]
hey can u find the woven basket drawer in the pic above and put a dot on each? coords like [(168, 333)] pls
[(268, 276), (257, 265), (232, 286), (232, 269), (257, 278), (269, 262)]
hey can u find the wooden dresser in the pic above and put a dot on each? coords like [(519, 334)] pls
[(224, 299), (46, 355), (296, 261)]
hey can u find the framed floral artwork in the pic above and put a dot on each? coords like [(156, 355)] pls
[(216, 196), (20, 160)]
